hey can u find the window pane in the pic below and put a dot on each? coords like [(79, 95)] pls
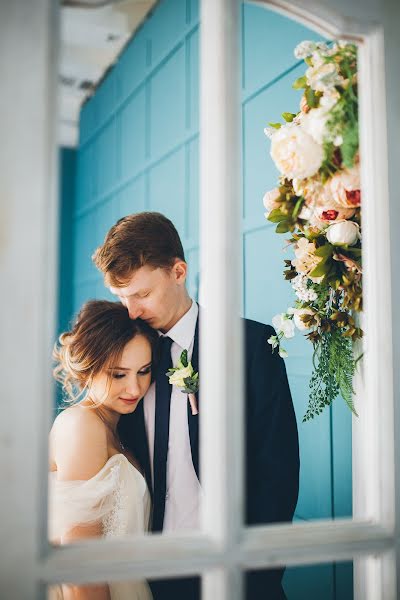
[(330, 581)]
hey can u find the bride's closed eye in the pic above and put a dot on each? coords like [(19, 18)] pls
[(118, 375), (145, 371)]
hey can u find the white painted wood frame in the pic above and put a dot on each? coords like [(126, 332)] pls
[(28, 242)]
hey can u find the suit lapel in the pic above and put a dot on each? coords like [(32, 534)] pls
[(132, 431), (193, 420), (144, 445)]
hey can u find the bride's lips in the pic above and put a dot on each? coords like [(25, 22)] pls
[(129, 400)]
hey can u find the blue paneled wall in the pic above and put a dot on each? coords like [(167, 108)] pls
[(139, 151)]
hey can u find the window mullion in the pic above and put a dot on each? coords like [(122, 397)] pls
[(221, 410)]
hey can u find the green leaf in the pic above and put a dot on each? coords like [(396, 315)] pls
[(324, 251), (184, 358), (288, 116), (320, 270), (191, 385), (354, 251), (297, 207), (283, 227), (275, 125), (311, 98), (301, 82), (349, 147), (276, 216)]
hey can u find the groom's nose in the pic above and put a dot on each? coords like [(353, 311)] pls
[(134, 310)]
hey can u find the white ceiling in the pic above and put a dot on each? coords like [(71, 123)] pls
[(93, 33)]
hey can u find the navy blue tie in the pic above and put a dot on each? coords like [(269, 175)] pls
[(161, 432)]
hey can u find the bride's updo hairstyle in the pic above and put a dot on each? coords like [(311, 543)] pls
[(94, 344)]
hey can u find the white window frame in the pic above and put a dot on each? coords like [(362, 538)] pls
[(29, 32)]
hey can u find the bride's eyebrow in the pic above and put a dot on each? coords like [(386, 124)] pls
[(145, 366), (118, 369)]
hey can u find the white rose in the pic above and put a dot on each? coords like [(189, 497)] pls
[(304, 49), (329, 99), (178, 377), (295, 152), (269, 132), (270, 200), (343, 232), (344, 187), (283, 324), (323, 77), (306, 213), (314, 123)]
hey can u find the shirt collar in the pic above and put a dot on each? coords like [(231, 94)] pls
[(182, 333)]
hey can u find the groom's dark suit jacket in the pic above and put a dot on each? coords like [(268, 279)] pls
[(272, 454)]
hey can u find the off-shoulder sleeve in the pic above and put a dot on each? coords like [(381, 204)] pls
[(80, 503)]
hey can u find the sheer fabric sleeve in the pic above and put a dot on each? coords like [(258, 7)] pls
[(80, 503)]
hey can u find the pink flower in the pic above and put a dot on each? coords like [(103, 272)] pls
[(321, 217), (344, 187)]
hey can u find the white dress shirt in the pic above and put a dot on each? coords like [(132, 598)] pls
[(182, 501)]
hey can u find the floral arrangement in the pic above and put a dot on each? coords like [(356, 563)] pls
[(186, 378), (318, 202)]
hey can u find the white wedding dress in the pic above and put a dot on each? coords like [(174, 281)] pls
[(117, 497)]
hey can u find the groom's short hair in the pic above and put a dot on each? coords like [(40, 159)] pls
[(146, 238)]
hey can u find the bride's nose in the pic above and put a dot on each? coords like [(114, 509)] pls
[(132, 387)]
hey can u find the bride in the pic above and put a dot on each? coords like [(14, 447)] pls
[(96, 486)]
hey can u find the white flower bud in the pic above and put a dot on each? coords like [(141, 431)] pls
[(343, 233)]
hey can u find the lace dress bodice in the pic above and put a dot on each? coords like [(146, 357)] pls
[(116, 497)]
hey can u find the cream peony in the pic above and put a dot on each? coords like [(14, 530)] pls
[(313, 190), (305, 260), (270, 200), (344, 187), (343, 232), (295, 153), (178, 377)]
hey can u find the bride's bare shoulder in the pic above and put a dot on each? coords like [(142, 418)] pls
[(78, 442), (77, 415)]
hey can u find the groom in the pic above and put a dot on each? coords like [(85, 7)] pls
[(143, 263)]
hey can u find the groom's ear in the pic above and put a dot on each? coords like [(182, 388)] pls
[(179, 271)]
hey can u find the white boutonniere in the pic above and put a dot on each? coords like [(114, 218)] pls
[(186, 378)]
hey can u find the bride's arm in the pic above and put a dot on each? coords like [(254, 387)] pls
[(79, 443)]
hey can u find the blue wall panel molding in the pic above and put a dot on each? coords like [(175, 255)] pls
[(139, 150)]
